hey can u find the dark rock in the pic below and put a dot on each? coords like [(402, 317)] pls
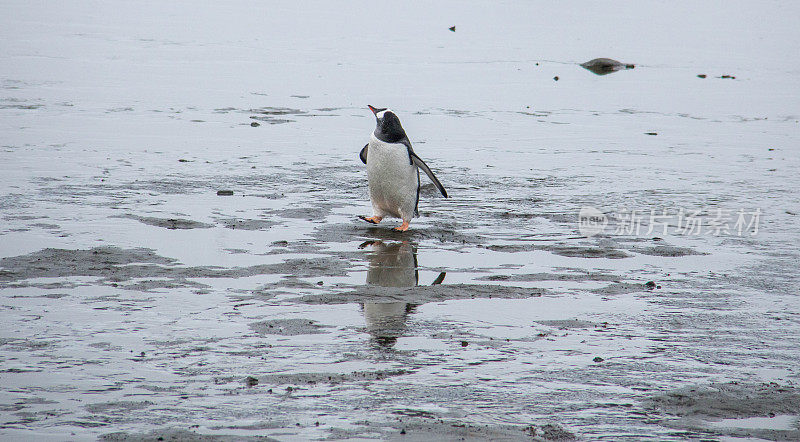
[(598, 359), (701, 75), (650, 285), (224, 192), (555, 433), (604, 66), (251, 381), (464, 343), (555, 78), (254, 124), (453, 28), (651, 133)]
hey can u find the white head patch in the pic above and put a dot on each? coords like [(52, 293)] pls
[(382, 113)]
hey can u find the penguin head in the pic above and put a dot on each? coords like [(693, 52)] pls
[(388, 128)]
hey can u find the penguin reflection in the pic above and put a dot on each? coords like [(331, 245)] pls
[(390, 265)]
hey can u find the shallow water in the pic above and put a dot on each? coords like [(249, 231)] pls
[(136, 301)]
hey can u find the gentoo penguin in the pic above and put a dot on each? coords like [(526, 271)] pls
[(393, 171)]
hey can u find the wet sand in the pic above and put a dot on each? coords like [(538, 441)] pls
[(139, 302)]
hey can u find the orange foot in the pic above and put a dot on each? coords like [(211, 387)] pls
[(371, 219), (403, 227)]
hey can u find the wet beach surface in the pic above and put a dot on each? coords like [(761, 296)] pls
[(140, 300)]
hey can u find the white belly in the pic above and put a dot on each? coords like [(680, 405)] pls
[(393, 180)]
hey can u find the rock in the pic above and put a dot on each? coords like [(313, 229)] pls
[(251, 381), (453, 28), (604, 66), (224, 192), (555, 78), (598, 359), (651, 133), (650, 285), (551, 432), (254, 124), (464, 343), (701, 75)]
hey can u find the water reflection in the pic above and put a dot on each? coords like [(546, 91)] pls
[(390, 265)]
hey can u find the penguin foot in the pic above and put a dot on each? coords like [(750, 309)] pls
[(371, 219), (403, 227)]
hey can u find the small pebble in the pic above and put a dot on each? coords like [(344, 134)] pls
[(183, 160), (464, 343), (403, 431), (251, 381), (254, 124), (598, 359), (224, 192), (453, 28), (701, 75), (650, 285), (651, 133), (555, 78)]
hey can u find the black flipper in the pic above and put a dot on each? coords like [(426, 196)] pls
[(421, 164), (363, 154)]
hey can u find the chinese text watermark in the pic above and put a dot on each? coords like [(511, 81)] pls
[(716, 222)]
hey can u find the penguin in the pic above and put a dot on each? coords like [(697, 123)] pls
[(393, 171)]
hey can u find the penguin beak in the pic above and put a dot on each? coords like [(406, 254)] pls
[(374, 111)]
